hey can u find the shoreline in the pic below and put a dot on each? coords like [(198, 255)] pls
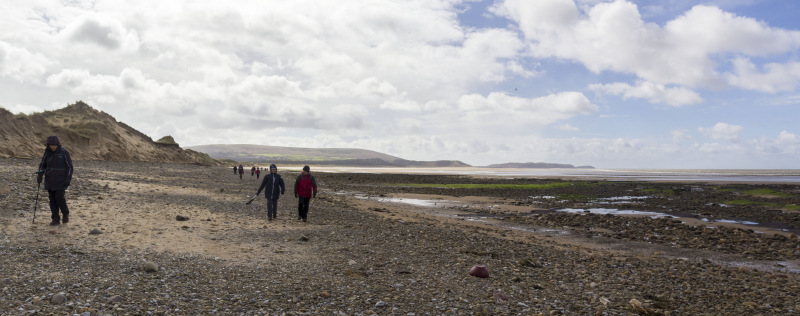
[(748, 176)]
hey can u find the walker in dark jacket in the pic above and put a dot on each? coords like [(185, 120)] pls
[(273, 183), (305, 187), (56, 168)]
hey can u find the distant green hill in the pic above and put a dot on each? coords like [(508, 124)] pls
[(319, 156)]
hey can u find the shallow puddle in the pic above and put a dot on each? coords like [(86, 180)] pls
[(613, 211), (620, 199), (729, 221), (417, 202)]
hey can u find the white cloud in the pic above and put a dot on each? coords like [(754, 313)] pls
[(82, 82), (722, 131), (654, 93), (567, 127), (274, 86), (22, 108), (710, 30), (612, 36), (374, 87), (494, 44), (569, 103), (69, 78), (784, 100), (437, 105), (499, 115), (102, 30), (401, 103), (775, 77), (788, 139), (544, 110), (345, 116), (21, 64), (680, 135)]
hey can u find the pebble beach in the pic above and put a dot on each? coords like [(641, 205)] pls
[(178, 239)]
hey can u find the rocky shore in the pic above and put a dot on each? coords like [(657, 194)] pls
[(171, 239)]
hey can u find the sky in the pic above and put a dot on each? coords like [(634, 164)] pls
[(613, 84)]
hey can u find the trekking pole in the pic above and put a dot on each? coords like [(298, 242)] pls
[(37, 203), (38, 186), (251, 200)]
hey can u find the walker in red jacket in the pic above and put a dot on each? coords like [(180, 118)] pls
[(305, 187)]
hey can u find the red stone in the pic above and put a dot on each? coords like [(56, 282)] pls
[(479, 271)]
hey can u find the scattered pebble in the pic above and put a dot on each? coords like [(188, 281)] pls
[(114, 299), (59, 299), (150, 267)]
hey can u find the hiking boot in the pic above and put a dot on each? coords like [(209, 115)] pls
[(269, 219), (54, 223), (65, 220)]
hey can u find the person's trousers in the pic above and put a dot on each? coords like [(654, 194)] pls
[(302, 207), (58, 202), (272, 208)]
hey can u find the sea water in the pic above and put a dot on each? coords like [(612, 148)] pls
[(676, 175)]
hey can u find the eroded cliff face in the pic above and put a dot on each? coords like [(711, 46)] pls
[(22, 136), (89, 134)]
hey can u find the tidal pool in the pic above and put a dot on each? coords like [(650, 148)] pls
[(619, 199), (417, 202), (728, 221), (613, 211)]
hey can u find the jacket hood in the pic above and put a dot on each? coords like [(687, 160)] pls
[(273, 166), (53, 140)]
